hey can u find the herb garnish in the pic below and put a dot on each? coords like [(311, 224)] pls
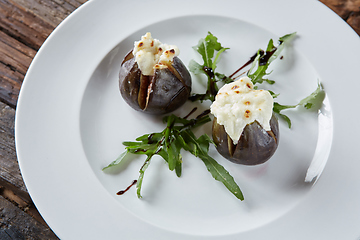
[(264, 58), (313, 101), (260, 62), (207, 47), (168, 144)]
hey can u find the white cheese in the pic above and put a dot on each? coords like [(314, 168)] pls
[(151, 54), (238, 104)]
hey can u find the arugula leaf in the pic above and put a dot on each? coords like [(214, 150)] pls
[(260, 62), (278, 108), (263, 59), (206, 47), (210, 50), (168, 144), (313, 101), (116, 161), (141, 176), (196, 68), (199, 147)]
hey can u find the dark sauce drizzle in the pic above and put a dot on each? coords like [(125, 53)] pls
[(247, 63), (150, 138), (124, 191), (265, 58), (206, 112), (191, 112)]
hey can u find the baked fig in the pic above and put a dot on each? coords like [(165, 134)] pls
[(245, 129), (152, 78)]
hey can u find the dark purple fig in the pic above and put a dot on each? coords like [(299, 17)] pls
[(255, 145), (162, 92)]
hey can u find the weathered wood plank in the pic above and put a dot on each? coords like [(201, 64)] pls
[(23, 29), (12, 57), (16, 224), (354, 21), (15, 202), (15, 58), (21, 199), (9, 170), (343, 7), (22, 25), (52, 12), (13, 43), (16, 206), (349, 10), (9, 85)]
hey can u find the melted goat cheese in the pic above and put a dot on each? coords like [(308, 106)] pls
[(238, 104), (151, 54)]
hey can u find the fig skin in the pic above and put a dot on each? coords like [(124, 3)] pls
[(255, 145), (163, 92)]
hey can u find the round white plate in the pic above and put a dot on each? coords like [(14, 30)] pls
[(71, 122)]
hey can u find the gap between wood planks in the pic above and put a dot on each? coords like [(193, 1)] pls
[(20, 199), (24, 26)]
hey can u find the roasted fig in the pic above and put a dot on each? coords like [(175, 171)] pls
[(255, 145), (152, 78), (245, 129)]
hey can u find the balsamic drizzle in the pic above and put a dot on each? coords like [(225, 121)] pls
[(247, 63), (124, 191)]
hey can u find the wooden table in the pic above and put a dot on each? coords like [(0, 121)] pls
[(24, 26)]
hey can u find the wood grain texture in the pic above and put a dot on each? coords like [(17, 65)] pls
[(343, 7), (21, 36), (17, 224), (24, 26), (354, 21), (349, 10), (8, 161), (52, 12), (15, 58)]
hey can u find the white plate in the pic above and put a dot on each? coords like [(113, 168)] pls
[(71, 121)]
